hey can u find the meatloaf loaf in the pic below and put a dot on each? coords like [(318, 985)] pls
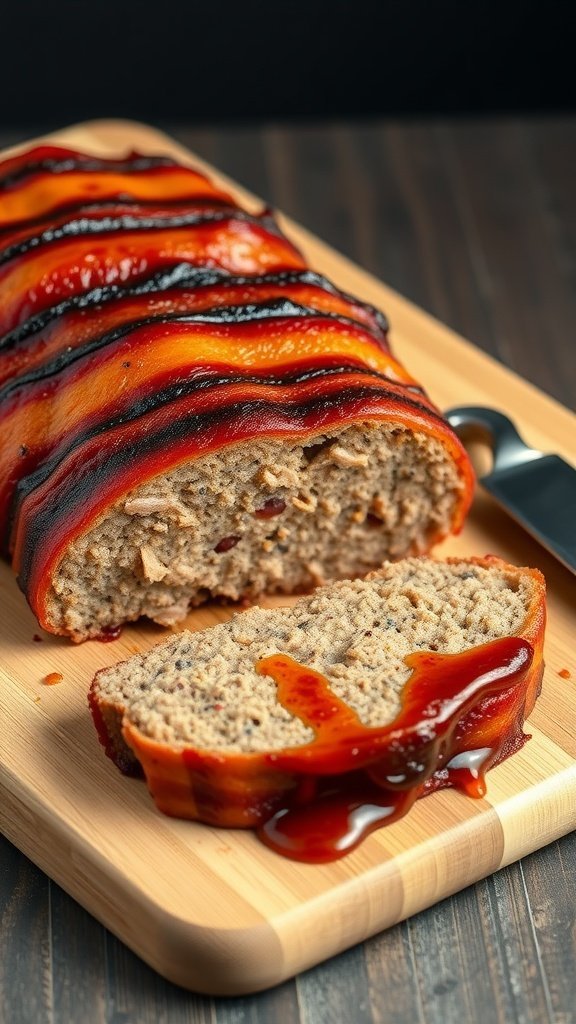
[(186, 409), (419, 676)]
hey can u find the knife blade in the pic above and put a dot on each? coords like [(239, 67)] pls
[(537, 489)]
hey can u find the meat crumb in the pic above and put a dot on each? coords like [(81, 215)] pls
[(147, 506), (152, 567), (344, 457), (565, 673), (306, 504)]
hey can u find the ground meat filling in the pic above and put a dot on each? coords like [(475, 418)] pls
[(264, 517), (202, 689)]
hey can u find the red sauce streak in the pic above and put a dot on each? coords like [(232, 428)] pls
[(52, 678), (271, 507), (565, 673), (337, 806), (107, 634), (37, 638)]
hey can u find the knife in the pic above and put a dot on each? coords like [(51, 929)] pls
[(536, 489)]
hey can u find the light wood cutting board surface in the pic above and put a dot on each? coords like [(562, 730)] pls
[(214, 910)]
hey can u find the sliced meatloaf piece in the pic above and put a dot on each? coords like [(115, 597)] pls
[(424, 662)]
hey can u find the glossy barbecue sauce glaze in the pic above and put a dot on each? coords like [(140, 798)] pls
[(333, 809)]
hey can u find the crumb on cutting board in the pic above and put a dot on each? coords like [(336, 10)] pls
[(52, 678)]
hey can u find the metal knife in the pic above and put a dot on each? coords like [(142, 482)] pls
[(536, 489)]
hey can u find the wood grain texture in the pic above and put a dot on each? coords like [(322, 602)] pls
[(488, 525)]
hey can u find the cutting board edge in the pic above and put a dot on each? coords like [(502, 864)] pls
[(245, 959), (202, 958)]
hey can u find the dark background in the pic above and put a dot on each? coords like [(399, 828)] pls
[(239, 61)]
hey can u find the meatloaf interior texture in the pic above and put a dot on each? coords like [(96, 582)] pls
[(265, 516), (203, 689)]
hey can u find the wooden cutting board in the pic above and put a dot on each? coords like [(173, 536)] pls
[(213, 910)]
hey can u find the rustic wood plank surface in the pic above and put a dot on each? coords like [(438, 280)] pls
[(477, 224)]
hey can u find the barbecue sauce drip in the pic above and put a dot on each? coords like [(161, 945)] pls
[(108, 634), (360, 778)]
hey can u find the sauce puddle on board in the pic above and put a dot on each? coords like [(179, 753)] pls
[(355, 778)]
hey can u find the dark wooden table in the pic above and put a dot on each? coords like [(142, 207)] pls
[(476, 222)]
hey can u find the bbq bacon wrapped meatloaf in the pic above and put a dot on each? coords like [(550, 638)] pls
[(186, 409)]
